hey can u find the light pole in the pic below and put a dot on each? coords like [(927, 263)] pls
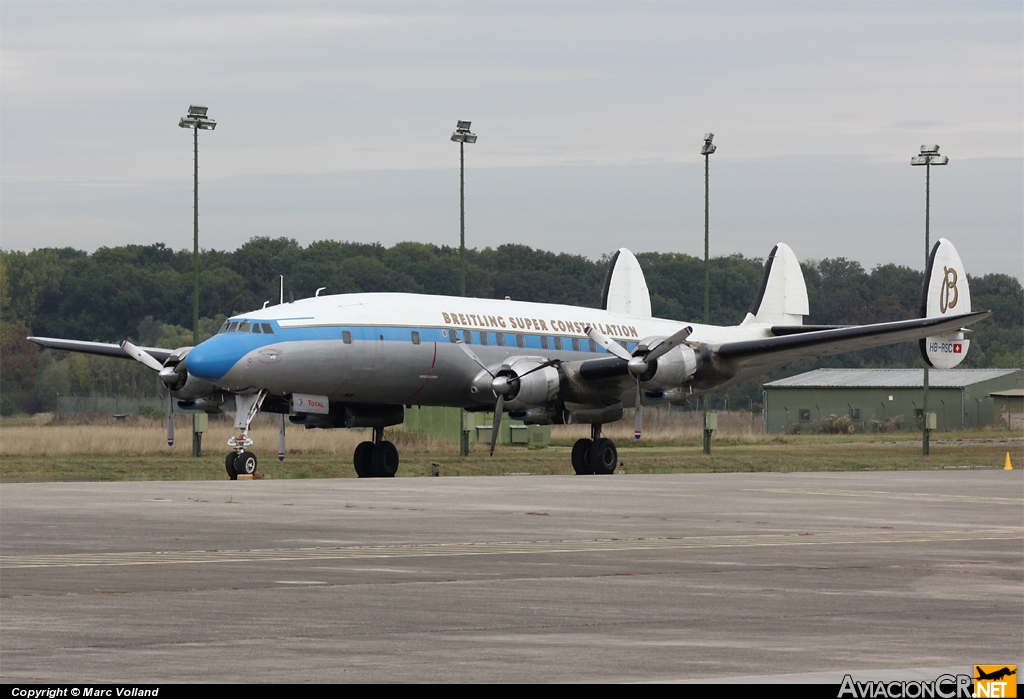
[(707, 149), (195, 120), (928, 156), (462, 136)]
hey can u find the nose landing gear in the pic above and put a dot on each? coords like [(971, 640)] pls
[(241, 461)]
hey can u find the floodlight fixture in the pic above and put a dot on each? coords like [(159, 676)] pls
[(462, 133), (929, 156), (708, 147), (197, 119)]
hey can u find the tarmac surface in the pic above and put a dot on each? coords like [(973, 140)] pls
[(626, 578)]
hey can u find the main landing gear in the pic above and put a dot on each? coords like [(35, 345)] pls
[(241, 461), (376, 459), (595, 455)]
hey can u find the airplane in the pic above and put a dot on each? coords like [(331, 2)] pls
[(357, 360)]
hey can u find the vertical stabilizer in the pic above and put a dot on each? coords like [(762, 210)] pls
[(782, 297), (625, 289), (945, 292)]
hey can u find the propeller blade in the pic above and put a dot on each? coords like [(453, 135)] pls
[(638, 424), (545, 365), (280, 439), (170, 419), (499, 407), (473, 356), (668, 343), (608, 343), (141, 356)]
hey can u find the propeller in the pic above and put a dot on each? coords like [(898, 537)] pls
[(146, 358), (502, 384), (639, 364)]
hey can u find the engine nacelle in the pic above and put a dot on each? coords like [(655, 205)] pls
[(536, 389), (672, 369), (191, 387)]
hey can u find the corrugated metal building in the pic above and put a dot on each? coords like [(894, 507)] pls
[(886, 399)]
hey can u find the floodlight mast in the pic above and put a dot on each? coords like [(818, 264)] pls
[(196, 119), (928, 156), (706, 150), (462, 136)]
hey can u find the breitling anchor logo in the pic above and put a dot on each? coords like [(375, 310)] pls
[(949, 283)]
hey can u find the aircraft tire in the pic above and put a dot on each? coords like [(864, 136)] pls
[(361, 460), (581, 457), (245, 463), (603, 456), (229, 465), (385, 460)]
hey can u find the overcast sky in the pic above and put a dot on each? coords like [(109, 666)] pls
[(334, 122)]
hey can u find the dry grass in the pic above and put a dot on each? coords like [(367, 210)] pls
[(43, 437), (681, 427)]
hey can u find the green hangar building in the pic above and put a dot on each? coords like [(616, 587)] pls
[(843, 400)]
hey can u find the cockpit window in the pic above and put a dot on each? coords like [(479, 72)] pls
[(223, 328), (233, 327), (256, 328), (268, 329), (243, 327)]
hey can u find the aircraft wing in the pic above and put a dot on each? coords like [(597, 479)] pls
[(101, 348), (775, 351)]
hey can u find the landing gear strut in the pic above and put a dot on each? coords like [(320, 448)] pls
[(241, 461), (595, 455), (376, 459)]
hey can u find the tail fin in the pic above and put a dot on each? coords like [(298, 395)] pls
[(944, 292), (625, 289), (782, 297)]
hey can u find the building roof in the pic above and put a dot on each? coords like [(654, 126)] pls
[(889, 378), (1012, 393)]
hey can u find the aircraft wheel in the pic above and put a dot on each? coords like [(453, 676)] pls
[(384, 459), (361, 460), (229, 465), (603, 456), (245, 463), (581, 457)]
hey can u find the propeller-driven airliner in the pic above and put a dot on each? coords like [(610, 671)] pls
[(357, 360)]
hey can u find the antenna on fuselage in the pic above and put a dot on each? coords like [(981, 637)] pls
[(282, 288), (322, 288)]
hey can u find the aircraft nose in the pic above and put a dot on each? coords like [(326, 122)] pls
[(212, 359)]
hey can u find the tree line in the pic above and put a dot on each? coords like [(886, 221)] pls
[(144, 293)]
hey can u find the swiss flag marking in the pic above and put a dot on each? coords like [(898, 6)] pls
[(957, 348)]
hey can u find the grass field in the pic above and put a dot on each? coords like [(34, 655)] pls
[(34, 449)]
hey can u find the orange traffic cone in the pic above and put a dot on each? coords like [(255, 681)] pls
[(1007, 466)]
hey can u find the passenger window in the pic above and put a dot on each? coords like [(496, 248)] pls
[(500, 339), (233, 327), (520, 340), (268, 329), (543, 342), (415, 337), (576, 344), (483, 339), (346, 337), (558, 343), (256, 329), (453, 336), (592, 345), (467, 337)]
